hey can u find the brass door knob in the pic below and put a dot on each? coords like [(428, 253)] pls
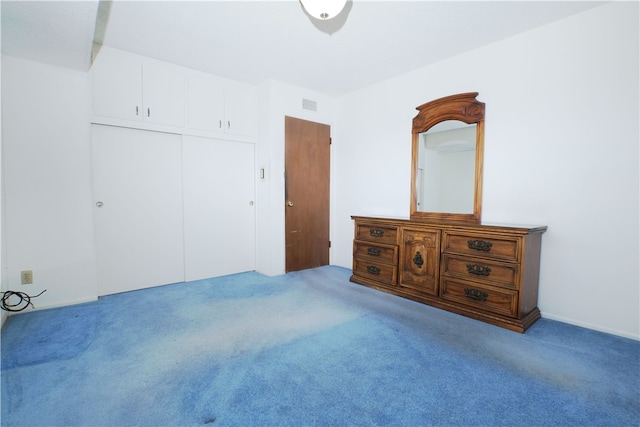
[(289, 203)]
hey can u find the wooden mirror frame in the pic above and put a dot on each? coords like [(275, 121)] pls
[(465, 108)]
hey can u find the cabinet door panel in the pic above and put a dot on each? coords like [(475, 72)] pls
[(219, 187), (163, 95), (241, 108), (117, 87), (137, 179), (420, 260), (206, 104)]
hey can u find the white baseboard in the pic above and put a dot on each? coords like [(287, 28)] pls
[(6, 315), (598, 328)]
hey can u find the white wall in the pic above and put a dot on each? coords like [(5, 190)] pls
[(561, 149), (278, 100), (3, 276), (46, 167)]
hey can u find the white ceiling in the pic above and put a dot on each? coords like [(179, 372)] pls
[(251, 41)]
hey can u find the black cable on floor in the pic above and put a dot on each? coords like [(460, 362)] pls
[(23, 299)]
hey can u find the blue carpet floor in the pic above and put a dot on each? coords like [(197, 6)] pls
[(304, 349)]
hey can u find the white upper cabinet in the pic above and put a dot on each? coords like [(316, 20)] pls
[(206, 104), (163, 94), (133, 88), (220, 105), (156, 95), (117, 87), (240, 108)]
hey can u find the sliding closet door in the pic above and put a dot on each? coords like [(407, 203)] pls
[(137, 187), (219, 212)]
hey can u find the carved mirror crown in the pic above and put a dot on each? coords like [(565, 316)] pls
[(446, 159)]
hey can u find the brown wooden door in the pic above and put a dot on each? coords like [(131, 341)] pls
[(307, 148)]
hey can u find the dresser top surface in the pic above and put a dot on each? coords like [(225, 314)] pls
[(484, 226)]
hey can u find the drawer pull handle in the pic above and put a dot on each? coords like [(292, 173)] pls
[(376, 232), (372, 269), (479, 245), (374, 251), (480, 270), (476, 294), (418, 260)]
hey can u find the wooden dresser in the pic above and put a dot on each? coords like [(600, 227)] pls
[(486, 272)]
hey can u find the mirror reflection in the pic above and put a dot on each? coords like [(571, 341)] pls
[(446, 172)]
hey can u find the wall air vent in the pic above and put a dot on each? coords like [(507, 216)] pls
[(310, 105)]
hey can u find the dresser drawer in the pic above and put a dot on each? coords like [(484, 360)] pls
[(488, 298), (478, 269), (387, 234), (380, 272), (484, 245), (376, 252)]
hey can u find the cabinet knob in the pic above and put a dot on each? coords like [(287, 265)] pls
[(372, 269), (376, 232), (479, 245), (289, 203), (99, 204), (475, 294), (478, 269)]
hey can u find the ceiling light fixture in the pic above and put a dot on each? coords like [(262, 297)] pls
[(323, 9)]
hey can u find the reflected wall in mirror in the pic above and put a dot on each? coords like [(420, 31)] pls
[(446, 168), (447, 153)]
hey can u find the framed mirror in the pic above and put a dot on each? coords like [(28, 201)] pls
[(446, 159)]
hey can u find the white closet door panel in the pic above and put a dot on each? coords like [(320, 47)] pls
[(137, 180), (164, 94), (219, 188)]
